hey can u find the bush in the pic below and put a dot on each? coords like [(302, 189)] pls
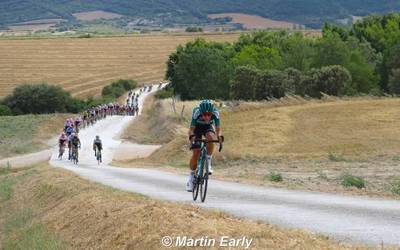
[(349, 180), (118, 88), (395, 186), (242, 85), (275, 177), (331, 80), (164, 93), (394, 82), (336, 157), (194, 29), (5, 110), (39, 99)]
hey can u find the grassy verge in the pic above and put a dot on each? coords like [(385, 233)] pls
[(19, 229), (52, 208), (297, 138), (28, 133)]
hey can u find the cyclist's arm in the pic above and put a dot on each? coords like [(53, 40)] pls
[(218, 131), (191, 132)]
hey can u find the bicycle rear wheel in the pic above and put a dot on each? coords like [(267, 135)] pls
[(204, 182)]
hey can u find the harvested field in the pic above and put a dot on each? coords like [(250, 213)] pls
[(84, 66), (254, 22)]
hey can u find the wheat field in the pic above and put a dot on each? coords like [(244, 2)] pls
[(83, 66)]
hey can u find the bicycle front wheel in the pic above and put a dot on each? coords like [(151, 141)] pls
[(195, 191), (204, 182)]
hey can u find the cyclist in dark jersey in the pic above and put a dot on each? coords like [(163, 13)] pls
[(97, 145), (205, 122)]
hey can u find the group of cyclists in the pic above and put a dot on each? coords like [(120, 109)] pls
[(205, 123), (69, 137)]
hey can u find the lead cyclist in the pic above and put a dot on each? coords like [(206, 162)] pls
[(205, 122)]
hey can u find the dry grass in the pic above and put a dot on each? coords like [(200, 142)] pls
[(153, 126), (253, 21), (28, 133), (90, 216), (84, 66), (302, 140)]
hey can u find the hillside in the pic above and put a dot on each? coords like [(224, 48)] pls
[(308, 12)]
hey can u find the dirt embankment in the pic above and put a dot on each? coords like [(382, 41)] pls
[(71, 212)]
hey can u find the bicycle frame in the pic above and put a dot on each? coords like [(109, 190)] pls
[(202, 158), (200, 180)]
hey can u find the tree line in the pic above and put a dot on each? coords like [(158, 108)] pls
[(363, 59), (45, 98)]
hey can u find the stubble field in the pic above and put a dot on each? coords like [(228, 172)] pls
[(83, 66)]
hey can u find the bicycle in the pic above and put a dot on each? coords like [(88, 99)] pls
[(200, 178), (97, 153), (61, 150), (74, 155)]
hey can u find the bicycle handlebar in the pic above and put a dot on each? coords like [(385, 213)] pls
[(213, 141)]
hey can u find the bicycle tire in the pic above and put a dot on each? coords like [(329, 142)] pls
[(195, 191), (98, 156), (204, 182)]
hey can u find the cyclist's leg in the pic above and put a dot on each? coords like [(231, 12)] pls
[(210, 135), (198, 132), (194, 159)]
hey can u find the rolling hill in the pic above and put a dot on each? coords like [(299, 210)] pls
[(312, 13)]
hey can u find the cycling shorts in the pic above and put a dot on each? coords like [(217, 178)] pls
[(200, 131)]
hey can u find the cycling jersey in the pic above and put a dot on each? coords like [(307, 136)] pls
[(198, 121), (98, 144), (69, 130), (75, 141)]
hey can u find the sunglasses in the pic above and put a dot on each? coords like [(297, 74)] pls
[(206, 114)]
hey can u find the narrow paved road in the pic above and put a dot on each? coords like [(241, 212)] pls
[(345, 218)]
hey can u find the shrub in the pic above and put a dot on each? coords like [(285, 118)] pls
[(5, 110), (394, 83), (194, 29), (336, 157), (164, 93), (349, 180), (275, 176), (322, 175), (117, 89), (395, 186), (39, 99), (242, 85)]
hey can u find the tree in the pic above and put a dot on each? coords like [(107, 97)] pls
[(332, 80), (39, 99), (243, 82), (259, 57), (330, 50), (296, 52), (292, 81), (202, 70), (270, 85), (394, 82)]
